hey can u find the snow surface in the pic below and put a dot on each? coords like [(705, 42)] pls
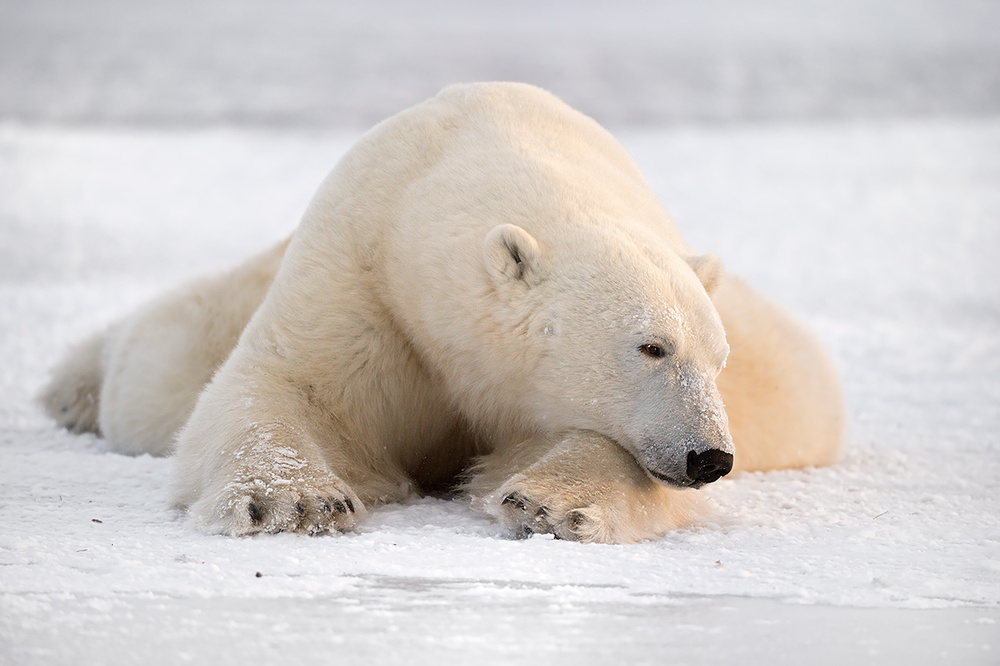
[(883, 237)]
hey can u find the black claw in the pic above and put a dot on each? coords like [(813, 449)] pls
[(300, 509), (327, 507), (339, 506), (515, 499), (541, 513), (255, 513), (350, 504)]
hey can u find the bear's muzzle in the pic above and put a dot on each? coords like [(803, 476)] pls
[(705, 467)]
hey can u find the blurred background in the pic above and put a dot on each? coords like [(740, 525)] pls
[(339, 64)]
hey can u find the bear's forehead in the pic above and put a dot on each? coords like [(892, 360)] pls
[(647, 315), (682, 324)]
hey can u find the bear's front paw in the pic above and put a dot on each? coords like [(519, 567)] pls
[(584, 488), (255, 505), (530, 511), (593, 512)]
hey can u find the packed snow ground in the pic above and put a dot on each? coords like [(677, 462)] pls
[(882, 236)]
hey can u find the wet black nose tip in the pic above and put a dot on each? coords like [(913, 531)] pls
[(709, 466)]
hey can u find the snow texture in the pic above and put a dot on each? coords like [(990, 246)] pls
[(875, 218)]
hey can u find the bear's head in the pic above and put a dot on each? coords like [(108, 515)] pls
[(611, 330)]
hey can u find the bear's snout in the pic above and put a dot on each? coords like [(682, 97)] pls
[(708, 466), (694, 470)]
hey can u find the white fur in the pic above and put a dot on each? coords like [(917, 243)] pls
[(476, 277)]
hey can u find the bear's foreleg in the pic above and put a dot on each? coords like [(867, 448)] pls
[(254, 464), (579, 486)]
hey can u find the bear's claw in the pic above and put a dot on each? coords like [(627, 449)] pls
[(323, 514), (256, 506), (514, 499), (528, 517)]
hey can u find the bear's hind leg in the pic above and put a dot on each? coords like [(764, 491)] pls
[(72, 396), (580, 486), (781, 392)]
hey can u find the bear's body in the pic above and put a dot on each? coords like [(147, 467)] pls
[(484, 285)]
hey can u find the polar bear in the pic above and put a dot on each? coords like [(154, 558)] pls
[(484, 294)]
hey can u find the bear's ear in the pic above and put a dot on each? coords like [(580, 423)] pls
[(511, 253), (708, 268)]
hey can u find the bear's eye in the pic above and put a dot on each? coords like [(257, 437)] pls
[(653, 351)]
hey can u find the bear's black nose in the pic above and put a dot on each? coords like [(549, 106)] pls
[(708, 466)]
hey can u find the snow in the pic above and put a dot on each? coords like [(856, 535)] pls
[(869, 205)]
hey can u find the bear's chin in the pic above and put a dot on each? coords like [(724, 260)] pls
[(673, 482)]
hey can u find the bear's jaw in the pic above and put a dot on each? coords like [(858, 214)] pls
[(673, 482)]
